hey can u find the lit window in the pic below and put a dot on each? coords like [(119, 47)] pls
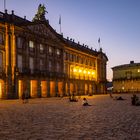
[(138, 70), (41, 48), (31, 44), (50, 50), (58, 52)]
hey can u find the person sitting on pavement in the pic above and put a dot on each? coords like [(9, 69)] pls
[(119, 98), (73, 98), (85, 102)]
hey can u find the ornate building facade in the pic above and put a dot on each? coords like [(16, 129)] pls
[(34, 57), (126, 78)]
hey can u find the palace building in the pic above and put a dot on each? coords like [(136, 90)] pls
[(126, 78), (34, 57)]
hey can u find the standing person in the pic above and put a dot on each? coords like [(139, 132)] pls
[(26, 96), (23, 97), (110, 95)]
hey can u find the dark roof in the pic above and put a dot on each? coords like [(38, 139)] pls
[(11, 18), (79, 47), (126, 66)]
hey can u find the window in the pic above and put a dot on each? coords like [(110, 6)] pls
[(31, 64), (19, 42), (41, 48), (19, 62), (50, 65), (50, 50), (57, 67), (58, 52), (41, 64), (31, 44), (1, 38)]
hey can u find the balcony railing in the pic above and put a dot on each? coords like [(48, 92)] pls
[(126, 78), (43, 73)]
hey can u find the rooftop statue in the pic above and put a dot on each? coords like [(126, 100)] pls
[(40, 13)]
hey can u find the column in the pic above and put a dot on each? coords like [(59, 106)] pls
[(64, 88), (56, 88), (68, 88), (48, 88), (39, 88)]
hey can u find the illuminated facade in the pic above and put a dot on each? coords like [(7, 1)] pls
[(126, 78), (35, 58)]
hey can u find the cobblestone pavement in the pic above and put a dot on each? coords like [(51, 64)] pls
[(59, 119)]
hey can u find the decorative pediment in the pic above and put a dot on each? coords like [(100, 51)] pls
[(43, 30)]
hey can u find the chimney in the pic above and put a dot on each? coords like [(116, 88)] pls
[(5, 11), (131, 62), (12, 12)]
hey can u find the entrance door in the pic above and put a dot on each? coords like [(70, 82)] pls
[(33, 88), (20, 88), (43, 89)]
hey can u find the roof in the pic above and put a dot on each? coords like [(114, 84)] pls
[(124, 66), (12, 18)]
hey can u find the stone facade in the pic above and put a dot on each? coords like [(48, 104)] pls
[(126, 78), (34, 57)]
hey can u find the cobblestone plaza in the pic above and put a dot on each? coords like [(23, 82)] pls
[(59, 119)]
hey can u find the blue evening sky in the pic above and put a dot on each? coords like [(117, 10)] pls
[(116, 22)]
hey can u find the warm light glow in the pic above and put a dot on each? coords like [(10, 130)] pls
[(83, 72), (80, 70), (93, 73), (74, 70)]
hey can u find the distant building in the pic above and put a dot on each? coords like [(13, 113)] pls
[(34, 57), (126, 78)]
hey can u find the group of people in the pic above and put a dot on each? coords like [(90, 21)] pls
[(73, 98)]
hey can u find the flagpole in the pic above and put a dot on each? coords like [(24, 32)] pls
[(4, 5), (60, 23), (99, 43)]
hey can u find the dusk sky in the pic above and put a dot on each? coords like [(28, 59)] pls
[(116, 22)]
